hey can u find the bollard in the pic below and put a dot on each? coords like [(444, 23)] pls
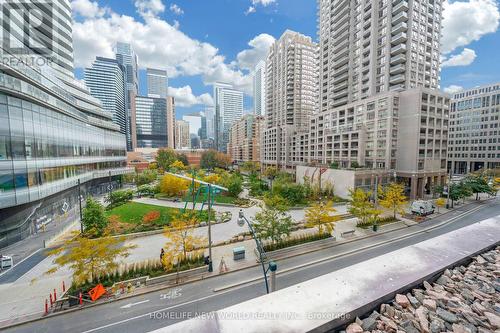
[(46, 306), (51, 301), (64, 287), (55, 295), (80, 298)]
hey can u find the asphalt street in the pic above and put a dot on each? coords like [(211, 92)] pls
[(162, 308)]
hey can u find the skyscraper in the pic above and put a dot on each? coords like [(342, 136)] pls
[(259, 89), (291, 94), (244, 140), (372, 47), (126, 57), (182, 137), (171, 121), (228, 108), (150, 122), (105, 80), (157, 83), (210, 117), (53, 133)]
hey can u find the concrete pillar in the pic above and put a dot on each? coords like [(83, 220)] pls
[(420, 187), (413, 188)]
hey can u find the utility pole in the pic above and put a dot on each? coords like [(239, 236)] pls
[(210, 266), (80, 204), (448, 191), (376, 191)]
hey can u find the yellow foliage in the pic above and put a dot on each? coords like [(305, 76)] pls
[(393, 197), (181, 239), (212, 178), (319, 215), (440, 202), (89, 259), (173, 186), (178, 165)]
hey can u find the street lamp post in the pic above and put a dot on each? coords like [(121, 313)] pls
[(80, 204), (210, 265), (272, 265)]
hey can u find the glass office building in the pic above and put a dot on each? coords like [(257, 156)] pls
[(53, 133), (150, 122)]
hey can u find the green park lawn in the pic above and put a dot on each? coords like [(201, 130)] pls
[(131, 216)]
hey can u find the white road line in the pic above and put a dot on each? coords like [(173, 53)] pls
[(20, 262), (129, 305)]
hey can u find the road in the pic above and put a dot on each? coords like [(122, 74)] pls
[(162, 308)]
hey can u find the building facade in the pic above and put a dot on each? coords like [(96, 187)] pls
[(259, 89), (228, 109), (245, 137), (369, 47), (126, 57), (150, 129), (474, 139), (171, 122), (105, 80), (53, 133), (291, 95), (182, 136), (157, 83)]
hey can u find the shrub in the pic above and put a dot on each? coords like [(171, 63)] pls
[(295, 240), (146, 177), (118, 198)]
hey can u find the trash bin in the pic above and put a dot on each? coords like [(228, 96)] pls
[(239, 253), (375, 227)]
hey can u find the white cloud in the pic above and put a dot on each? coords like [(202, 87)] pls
[(184, 97), (176, 9), (87, 8), (263, 2), (465, 58), (247, 59), (250, 10), (465, 22), (453, 89), (149, 7)]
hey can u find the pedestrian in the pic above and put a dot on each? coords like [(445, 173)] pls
[(222, 266), (162, 253)]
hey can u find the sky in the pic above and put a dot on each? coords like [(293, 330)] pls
[(200, 42)]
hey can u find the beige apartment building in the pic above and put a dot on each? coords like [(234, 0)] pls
[(244, 139), (475, 130), (291, 95), (182, 137), (171, 121)]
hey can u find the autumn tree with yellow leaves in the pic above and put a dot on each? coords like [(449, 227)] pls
[(89, 259), (393, 197), (173, 186), (440, 202), (181, 239), (320, 215)]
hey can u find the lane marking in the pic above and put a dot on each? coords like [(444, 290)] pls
[(129, 305), (20, 262)]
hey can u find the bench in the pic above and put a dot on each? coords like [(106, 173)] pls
[(239, 253), (347, 233)]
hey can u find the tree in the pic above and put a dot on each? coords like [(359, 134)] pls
[(208, 160), (440, 202), (223, 160), (177, 165), (181, 238), (234, 185), (459, 191), (393, 197), (146, 177), (183, 158), (165, 157), (271, 172), (93, 218), (360, 205), (212, 178), (272, 223), (118, 198), (173, 186), (479, 184), (89, 259), (319, 215), (251, 167)]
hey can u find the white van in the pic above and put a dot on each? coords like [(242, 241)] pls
[(422, 207)]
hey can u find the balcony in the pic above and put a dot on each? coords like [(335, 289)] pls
[(340, 86), (397, 87), (400, 7), (401, 17), (343, 44), (341, 55), (398, 49), (399, 68), (401, 27), (400, 58), (340, 94), (399, 38), (400, 78)]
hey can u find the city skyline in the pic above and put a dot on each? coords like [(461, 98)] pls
[(247, 43)]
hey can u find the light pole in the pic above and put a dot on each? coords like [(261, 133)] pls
[(272, 265), (210, 266), (80, 204), (448, 191)]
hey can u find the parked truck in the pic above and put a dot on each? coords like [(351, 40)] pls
[(422, 207)]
